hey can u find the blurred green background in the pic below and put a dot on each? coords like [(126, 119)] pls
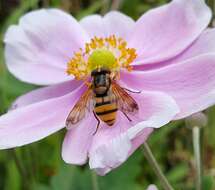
[(39, 166)]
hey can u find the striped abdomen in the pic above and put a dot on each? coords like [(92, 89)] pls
[(105, 109)]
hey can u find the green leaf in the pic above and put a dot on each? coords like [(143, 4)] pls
[(178, 173), (126, 176), (95, 6), (13, 180), (39, 186), (70, 177), (208, 183)]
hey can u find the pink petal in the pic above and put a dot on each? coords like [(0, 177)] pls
[(140, 139), (78, 140), (36, 121), (203, 45), (163, 33), (152, 187), (191, 83), (93, 25), (39, 47), (112, 23), (45, 93), (111, 146)]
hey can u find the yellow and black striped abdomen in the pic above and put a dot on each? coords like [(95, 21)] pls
[(106, 110)]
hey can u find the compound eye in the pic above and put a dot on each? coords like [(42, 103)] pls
[(100, 80)]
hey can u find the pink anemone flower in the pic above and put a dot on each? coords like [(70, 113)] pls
[(167, 54), (152, 187)]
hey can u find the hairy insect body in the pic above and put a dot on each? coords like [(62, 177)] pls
[(108, 97), (106, 109), (105, 102)]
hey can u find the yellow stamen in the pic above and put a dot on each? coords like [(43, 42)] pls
[(110, 52)]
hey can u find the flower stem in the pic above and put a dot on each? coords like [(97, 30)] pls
[(196, 147), (21, 169), (116, 4), (105, 7), (211, 4), (151, 159), (95, 183)]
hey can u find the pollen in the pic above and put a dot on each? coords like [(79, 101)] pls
[(110, 52), (102, 58)]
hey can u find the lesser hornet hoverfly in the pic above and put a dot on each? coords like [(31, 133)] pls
[(108, 97)]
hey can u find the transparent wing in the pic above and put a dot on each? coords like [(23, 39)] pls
[(79, 110), (124, 101)]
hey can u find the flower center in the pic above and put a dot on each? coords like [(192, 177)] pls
[(111, 53)]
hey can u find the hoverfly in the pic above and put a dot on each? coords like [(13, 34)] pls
[(107, 96)]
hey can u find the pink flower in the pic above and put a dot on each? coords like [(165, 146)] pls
[(167, 55), (152, 187)]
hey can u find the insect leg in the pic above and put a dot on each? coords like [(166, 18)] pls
[(98, 122), (126, 116)]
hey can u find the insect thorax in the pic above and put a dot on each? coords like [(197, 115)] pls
[(101, 81)]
